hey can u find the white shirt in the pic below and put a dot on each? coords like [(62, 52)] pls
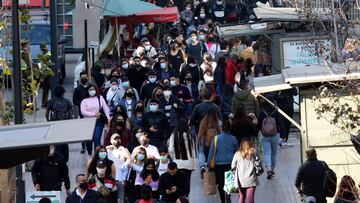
[(151, 151), (118, 156), (162, 167)]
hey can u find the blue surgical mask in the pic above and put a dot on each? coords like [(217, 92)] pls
[(152, 79), (153, 108), (163, 158), (140, 157), (125, 84), (102, 155), (202, 37), (172, 83), (125, 66), (163, 65)]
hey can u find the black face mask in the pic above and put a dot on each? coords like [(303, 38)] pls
[(139, 109), (158, 96), (120, 123), (188, 79), (129, 94), (83, 81), (83, 186), (115, 76)]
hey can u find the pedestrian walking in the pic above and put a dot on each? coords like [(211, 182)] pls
[(81, 193)]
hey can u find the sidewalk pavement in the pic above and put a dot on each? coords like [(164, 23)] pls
[(280, 189)]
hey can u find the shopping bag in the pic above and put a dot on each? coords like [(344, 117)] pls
[(209, 183), (229, 184)]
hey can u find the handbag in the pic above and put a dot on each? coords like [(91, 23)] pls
[(102, 117), (209, 183), (259, 170), (229, 183), (212, 161)]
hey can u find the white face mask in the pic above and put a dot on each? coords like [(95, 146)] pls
[(147, 48), (100, 171), (125, 66), (167, 93), (92, 93), (114, 87)]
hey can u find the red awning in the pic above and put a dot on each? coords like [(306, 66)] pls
[(163, 15), (31, 3)]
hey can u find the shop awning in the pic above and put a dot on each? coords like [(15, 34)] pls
[(248, 29), (288, 14), (126, 7), (30, 3), (162, 15)]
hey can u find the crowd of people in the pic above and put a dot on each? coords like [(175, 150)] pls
[(169, 108)]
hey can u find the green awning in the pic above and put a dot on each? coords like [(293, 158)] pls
[(126, 7)]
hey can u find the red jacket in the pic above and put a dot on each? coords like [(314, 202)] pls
[(230, 72)]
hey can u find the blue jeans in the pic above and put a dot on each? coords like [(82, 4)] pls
[(270, 146), (98, 130), (121, 191)]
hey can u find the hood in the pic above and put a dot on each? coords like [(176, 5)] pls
[(242, 94)]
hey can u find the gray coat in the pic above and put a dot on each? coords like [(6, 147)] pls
[(244, 173)]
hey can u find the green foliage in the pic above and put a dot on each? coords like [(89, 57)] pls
[(7, 114)]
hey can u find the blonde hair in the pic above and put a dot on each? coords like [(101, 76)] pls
[(247, 148)]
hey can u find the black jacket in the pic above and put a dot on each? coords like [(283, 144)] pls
[(160, 122), (167, 181), (90, 197), (137, 77), (147, 90), (50, 172), (78, 96), (310, 178), (200, 111)]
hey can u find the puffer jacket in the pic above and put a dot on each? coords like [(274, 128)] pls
[(250, 102)]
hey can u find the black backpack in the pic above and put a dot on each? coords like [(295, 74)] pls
[(329, 181), (60, 110)]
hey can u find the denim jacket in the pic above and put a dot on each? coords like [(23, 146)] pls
[(226, 147)]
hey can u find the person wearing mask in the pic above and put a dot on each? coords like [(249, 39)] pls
[(218, 11), (100, 154), (231, 69), (46, 54), (148, 87), (186, 16), (119, 155), (222, 152), (146, 195), (112, 94), (202, 39), (271, 134), (195, 47), (165, 70), (171, 106), (208, 68), (91, 107), (150, 51), (220, 75), (200, 110), (202, 12), (128, 101), (124, 66), (137, 74), (182, 149), (137, 114), (98, 76), (81, 192), (192, 67), (125, 84), (193, 89), (151, 150), (176, 56), (245, 97), (181, 92), (309, 178), (48, 172), (78, 95), (347, 191), (245, 178), (149, 176), (114, 74), (173, 184), (210, 27), (164, 160), (103, 184), (212, 45), (156, 124), (118, 125)]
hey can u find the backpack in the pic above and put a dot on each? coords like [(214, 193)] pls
[(268, 125), (60, 110), (329, 181)]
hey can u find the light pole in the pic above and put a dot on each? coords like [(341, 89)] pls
[(54, 46)]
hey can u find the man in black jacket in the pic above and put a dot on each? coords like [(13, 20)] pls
[(50, 171), (148, 87), (173, 184), (137, 74), (309, 179), (82, 194)]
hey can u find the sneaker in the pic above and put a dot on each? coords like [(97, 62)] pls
[(284, 144), (269, 175), (280, 143), (272, 174), (202, 171), (82, 151)]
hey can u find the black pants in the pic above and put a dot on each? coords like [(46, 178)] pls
[(46, 89), (220, 181), (287, 124), (188, 176)]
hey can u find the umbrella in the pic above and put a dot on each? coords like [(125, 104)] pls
[(114, 8)]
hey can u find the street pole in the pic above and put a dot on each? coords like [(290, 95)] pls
[(86, 48), (92, 57), (17, 81), (54, 46), (334, 17)]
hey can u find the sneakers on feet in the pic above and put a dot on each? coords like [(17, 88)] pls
[(202, 171), (269, 175), (82, 151)]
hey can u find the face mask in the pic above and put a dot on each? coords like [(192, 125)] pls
[(100, 171), (158, 95), (167, 93), (152, 79), (163, 158), (202, 15), (188, 8), (163, 65), (129, 94), (153, 108), (125, 66), (205, 1), (102, 155), (140, 157), (218, 2), (147, 48), (115, 76), (125, 84), (188, 79), (172, 83), (92, 93), (120, 123), (192, 65), (202, 37), (83, 81), (83, 186), (194, 38), (139, 109), (114, 87)]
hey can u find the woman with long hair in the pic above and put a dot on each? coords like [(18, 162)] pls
[(182, 148), (100, 154), (149, 176), (245, 178), (243, 125), (137, 114), (118, 125), (91, 107), (348, 192), (128, 101)]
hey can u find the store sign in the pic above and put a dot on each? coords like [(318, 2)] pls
[(302, 52), (36, 196)]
